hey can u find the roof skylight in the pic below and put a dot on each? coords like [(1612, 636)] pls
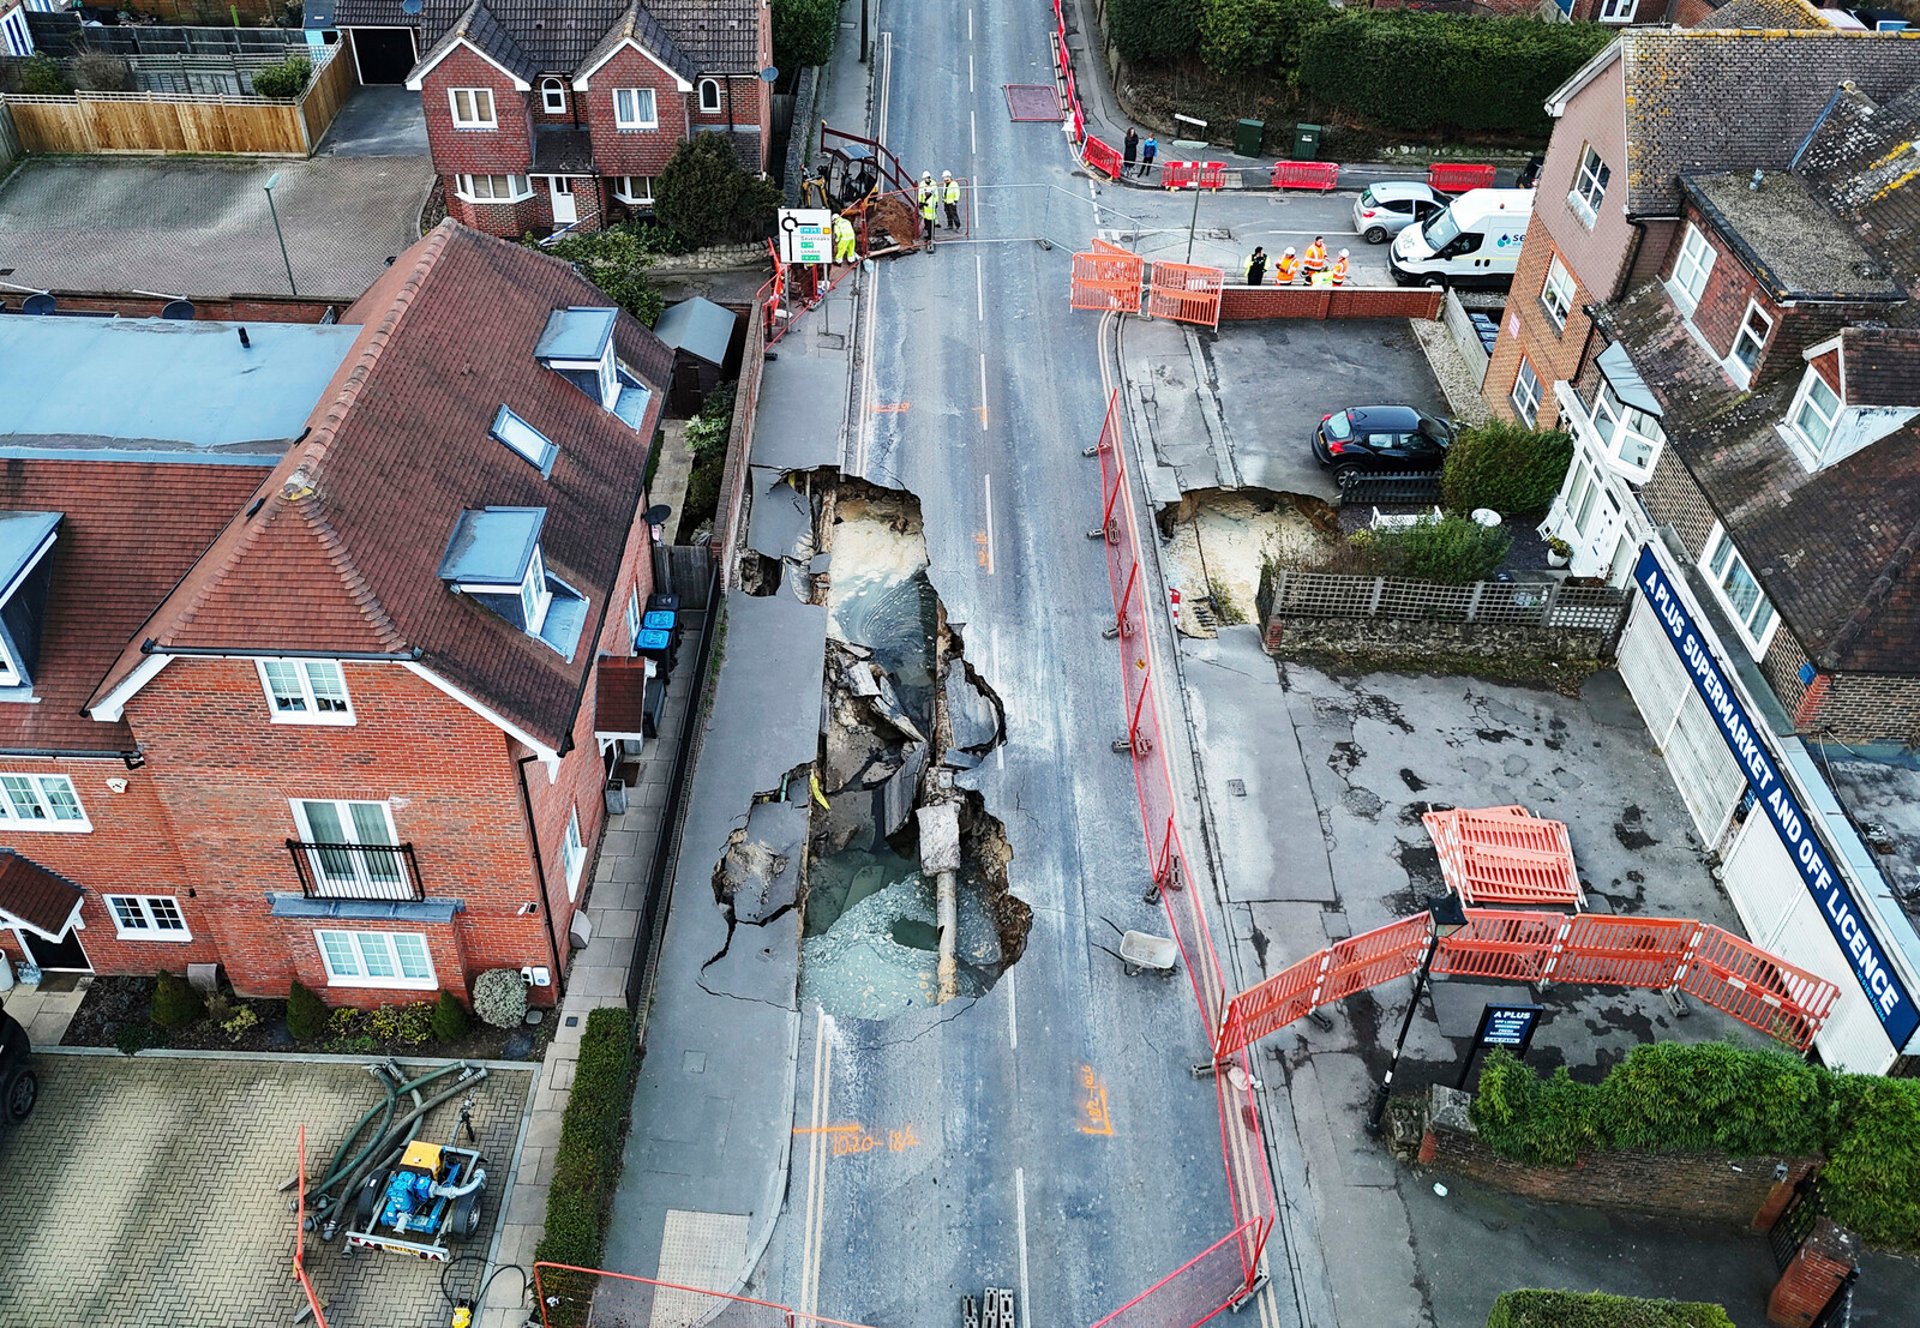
[(538, 450)]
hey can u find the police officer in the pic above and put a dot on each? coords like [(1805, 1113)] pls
[(950, 196)]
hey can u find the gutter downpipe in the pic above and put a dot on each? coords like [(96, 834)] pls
[(540, 875)]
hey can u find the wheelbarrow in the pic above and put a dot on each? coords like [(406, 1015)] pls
[(1143, 952)]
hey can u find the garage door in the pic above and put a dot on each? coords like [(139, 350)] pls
[(1709, 780), (1783, 919), (383, 55)]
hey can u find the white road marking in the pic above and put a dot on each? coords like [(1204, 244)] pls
[(980, 287), (983, 421), (969, 25), (1319, 232), (815, 1140), (1013, 1021), (973, 133), (1020, 1220), (986, 481), (999, 748), (969, 71)]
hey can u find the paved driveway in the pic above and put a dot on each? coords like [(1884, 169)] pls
[(378, 121), (145, 1191), (200, 227)]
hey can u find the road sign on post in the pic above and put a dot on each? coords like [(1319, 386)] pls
[(806, 235), (1508, 1026)]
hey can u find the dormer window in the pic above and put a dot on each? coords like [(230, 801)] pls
[(1626, 415), (495, 557), (1816, 409), (1858, 388), (535, 447), (578, 345), (26, 538), (535, 598)]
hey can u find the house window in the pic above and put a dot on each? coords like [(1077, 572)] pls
[(344, 826), (19, 39), (1589, 187), (472, 108), (306, 691), (1748, 343), (376, 959), (523, 438), (535, 595), (1557, 293), (1618, 11), (148, 918), (633, 617), (709, 96), (553, 96), (1738, 592), (1629, 433), (494, 188), (41, 802), (573, 854), (633, 189), (633, 109), (1816, 408), (1526, 392), (1690, 269)]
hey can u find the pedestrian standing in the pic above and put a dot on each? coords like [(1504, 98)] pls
[(925, 190), (927, 215), (1257, 266), (1340, 266), (1129, 151), (1286, 268), (1148, 151), (843, 245), (950, 197), (1315, 261)]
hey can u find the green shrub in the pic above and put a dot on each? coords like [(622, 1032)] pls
[(1453, 550), (449, 1018), (1512, 469), (1872, 1180), (1671, 1097), (288, 79), (616, 260), (1536, 1120), (1595, 1309), (306, 1014), (500, 997), (134, 1035), (242, 1020), (707, 435), (175, 1002), (1245, 36), (43, 76), (803, 32), (587, 1160), (410, 1025), (706, 197), (1154, 29)]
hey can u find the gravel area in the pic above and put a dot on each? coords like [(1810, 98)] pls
[(1457, 381)]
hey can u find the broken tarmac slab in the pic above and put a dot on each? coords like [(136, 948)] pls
[(940, 837), (781, 524)]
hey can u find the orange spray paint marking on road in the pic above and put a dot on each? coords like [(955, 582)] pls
[(890, 408), (1099, 1120)]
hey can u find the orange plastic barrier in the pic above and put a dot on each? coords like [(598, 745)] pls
[(1321, 175), (1739, 978), (1100, 156), (1625, 952), (1186, 293), (1454, 177), (1193, 174), (1507, 946), (1505, 855), (1108, 278)]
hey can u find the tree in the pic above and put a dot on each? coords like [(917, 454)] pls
[(705, 196), (803, 32), (616, 260), (288, 79)]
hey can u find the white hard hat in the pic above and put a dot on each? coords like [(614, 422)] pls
[(1289, 248), (926, 175), (946, 175), (1343, 253)]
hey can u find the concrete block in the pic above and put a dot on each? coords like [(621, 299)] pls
[(940, 837)]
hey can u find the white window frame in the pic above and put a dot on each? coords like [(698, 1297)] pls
[(519, 188), (1720, 557), (384, 946), (45, 794), (359, 872), (1556, 293), (1590, 183), (1741, 373), (1810, 451), (549, 87), (525, 441), (1527, 402), (1691, 268), (705, 84), (1618, 11), (305, 692), (626, 109), (573, 855), (633, 619), (623, 189), (148, 918), (1615, 424), (19, 36), (536, 597), (472, 118)]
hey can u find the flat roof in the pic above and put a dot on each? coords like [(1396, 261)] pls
[(492, 545), (575, 334), (128, 388), (1800, 246)]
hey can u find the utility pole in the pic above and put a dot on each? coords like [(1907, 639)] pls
[(273, 180)]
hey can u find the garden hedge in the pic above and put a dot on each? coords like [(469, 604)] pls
[(1595, 1309), (587, 1161), (1153, 29), (1670, 1097), (1514, 470), (803, 32)]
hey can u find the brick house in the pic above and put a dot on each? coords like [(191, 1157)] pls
[(542, 115), (303, 628)]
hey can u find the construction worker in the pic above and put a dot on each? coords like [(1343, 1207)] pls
[(927, 188), (1286, 268), (1315, 259), (1257, 266), (950, 196), (1340, 266), (843, 248), (928, 215)]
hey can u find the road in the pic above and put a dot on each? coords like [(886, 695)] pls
[(1049, 1137)]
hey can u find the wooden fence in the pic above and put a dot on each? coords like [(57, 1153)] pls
[(143, 122)]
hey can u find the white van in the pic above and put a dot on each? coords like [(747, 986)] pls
[(1475, 242)]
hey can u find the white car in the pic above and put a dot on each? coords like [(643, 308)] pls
[(1384, 209)]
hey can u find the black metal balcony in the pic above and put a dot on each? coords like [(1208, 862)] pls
[(356, 871)]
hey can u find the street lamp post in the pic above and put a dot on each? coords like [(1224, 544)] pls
[(274, 212), (1193, 221), (1448, 918)]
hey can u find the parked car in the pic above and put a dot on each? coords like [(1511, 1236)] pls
[(18, 1085), (1382, 439), (1383, 210)]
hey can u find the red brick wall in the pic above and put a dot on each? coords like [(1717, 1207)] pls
[(537, 105), (511, 220), (634, 151), (1556, 353), (745, 102), (1248, 303), (506, 150)]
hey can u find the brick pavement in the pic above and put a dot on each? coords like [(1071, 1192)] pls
[(144, 1191), (200, 227)]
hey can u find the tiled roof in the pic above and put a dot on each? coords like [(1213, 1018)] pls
[(1765, 15), (562, 151), (1863, 162), (344, 552), (621, 700), (477, 25), (556, 36), (1881, 366), (637, 25), (129, 531), (1832, 548), (1691, 105), (42, 899)]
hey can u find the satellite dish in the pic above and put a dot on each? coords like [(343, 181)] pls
[(178, 310), (410, 6), (42, 303), (657, 515), (767, 75)]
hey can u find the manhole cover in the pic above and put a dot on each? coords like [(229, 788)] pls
[(1237, 787), (1033, 101)]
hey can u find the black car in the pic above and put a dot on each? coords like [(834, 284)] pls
[(1382, 439), (18, 1086)]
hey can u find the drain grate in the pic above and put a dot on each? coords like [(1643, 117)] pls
[(1033, 101), (1237, 787)]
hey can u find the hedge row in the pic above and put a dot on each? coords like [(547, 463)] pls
[(1595, 1309), (1514, 470), (1670, 1097), (587, 1161)]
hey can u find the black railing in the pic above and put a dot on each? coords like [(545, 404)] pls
[(355, 871)]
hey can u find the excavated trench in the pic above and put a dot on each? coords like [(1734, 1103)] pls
[(1217, 539)]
